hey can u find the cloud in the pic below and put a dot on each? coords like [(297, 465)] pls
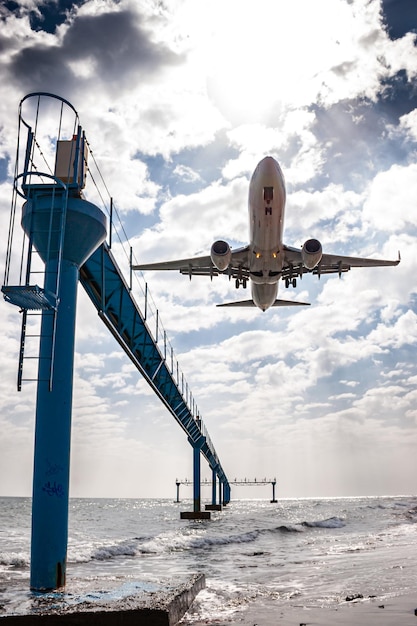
[(178, 106), (113, 46), (389, 204)]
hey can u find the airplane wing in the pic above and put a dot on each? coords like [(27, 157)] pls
[(203, 265), (329, 264)]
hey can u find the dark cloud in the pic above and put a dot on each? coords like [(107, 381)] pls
[(42, 68), (357, 134), (4, 43), (4, 165), (48, 15), (51, 13), (117, 44)]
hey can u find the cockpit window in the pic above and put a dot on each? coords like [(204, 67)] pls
[(268, 194)]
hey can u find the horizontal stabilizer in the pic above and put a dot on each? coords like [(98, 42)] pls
[(250, 303), (290, 303)]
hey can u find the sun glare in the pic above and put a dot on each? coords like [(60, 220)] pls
[(260, 56)]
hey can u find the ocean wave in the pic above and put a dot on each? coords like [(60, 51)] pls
[(125, 548), (331, 522), (411, 514), (402, 505), (179, 541), (383, 507), (290, 528), (208, 542), (15, 560)]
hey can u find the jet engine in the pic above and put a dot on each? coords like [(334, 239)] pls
[(221, 254), (311, 253)]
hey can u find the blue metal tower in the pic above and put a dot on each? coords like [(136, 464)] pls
[(63, 242), (63, 230), (85, 228)]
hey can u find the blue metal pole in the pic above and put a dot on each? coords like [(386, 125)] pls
[(197, 478), (274, 482), (53, 435), (214, 487), (84, 230), (226, 493)]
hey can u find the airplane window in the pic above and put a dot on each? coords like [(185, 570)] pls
[(268, 194)]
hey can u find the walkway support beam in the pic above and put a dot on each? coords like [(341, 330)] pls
[(214, 487), (274, 500), (214, 506), (197, 478), (196, 513), (226, 493)]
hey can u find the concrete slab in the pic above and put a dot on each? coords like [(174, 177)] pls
[(110, 608), (195, 515)]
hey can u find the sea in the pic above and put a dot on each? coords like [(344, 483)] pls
[(298, 552)]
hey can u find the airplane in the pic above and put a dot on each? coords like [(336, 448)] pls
[(266, 260)]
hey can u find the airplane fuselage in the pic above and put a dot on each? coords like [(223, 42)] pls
[(266, 217)]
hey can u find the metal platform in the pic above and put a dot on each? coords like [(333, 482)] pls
[(29, 297)]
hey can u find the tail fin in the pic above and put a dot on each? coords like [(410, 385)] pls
[(250, 303)]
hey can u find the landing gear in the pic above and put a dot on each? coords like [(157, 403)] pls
[(291, 281), (241, 281)]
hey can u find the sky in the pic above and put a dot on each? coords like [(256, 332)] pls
[(180, 100)]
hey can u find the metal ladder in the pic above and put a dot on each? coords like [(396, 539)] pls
[(35, 301), (35, 290)]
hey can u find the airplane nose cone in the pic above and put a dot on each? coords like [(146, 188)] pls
[(267, 169), (268, 160), (267, 166)]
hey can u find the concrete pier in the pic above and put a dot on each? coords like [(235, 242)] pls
[(195, 515), (213, 507), (143, 608)]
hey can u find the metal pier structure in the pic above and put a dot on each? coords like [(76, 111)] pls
[(63, 241), (112, 297), (242, 483)]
